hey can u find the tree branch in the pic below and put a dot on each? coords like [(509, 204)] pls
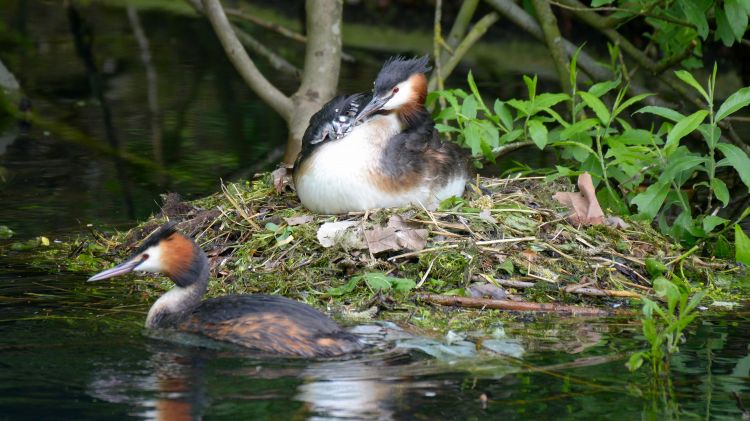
[(281, 30), (471, 38), (518, 16), (243, 63), (276, 61), (554, 42), (599, 23)]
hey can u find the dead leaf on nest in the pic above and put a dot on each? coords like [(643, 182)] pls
[(282, 177), (345, 234), (616, 222), (585, 206), (486, 290), (486, 216), (298, 220), (397, 235)]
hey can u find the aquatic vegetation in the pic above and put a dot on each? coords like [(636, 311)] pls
[(663, 326)]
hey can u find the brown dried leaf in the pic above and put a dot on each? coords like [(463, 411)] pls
[(585, 206), (397, 235), (486, 290), (282, 177)]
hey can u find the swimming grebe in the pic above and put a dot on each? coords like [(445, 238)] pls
[(390, 155), (265, 323)]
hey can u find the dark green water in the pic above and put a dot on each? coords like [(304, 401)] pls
[(71, 350)]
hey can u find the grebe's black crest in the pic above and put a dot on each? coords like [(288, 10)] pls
[(398, 69), (164, 232)]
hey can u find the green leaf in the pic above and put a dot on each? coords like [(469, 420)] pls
[(683, 128), (665, 288), (469, 108), (547, 100), (597, 106), (737, 158), (741, 246), (649, 202), (444, 128), (723, 29), (630, 101), (601, 88), (530, 86), (746, 6), (663, 112), (538, 133), (711, 134), (473, 137), (506, 266), (655, 267), (720, 191), (635, 361), (696, 16), (377, 281), (599, 3), (711, 221), (737, 18), (678, 163), (690, 80), (736, 101), (578, 127), (346, 288), (504, 113)]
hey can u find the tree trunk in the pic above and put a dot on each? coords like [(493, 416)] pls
[(321, 73)]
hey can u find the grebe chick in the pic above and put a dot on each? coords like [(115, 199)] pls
[(266, 323), (391, 156)]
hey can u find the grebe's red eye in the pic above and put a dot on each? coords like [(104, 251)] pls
[(395, 90)]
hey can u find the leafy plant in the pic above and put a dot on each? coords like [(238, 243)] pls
[(663, 327), (375, 281), (598, 138), (680, 26)]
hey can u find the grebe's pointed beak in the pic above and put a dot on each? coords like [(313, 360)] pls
[(372, 107), (120, 269)]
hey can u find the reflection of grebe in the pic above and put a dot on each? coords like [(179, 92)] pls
[(262, 322)]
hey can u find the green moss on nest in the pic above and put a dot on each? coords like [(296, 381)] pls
[(515, 234)]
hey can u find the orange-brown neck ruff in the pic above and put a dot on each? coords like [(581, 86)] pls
[(178, 257), (413, 110)]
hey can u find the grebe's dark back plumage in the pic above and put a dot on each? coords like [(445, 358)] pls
[(391, 156), (270, 324)]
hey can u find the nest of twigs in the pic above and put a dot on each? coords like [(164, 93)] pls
[(506, 241)]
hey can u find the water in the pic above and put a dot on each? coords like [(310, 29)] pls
[(72, 350)]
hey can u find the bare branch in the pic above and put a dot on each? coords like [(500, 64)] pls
[(243, 63), (554, 41), (276, 61), (461, 23), (471, 38), (279, 29)]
